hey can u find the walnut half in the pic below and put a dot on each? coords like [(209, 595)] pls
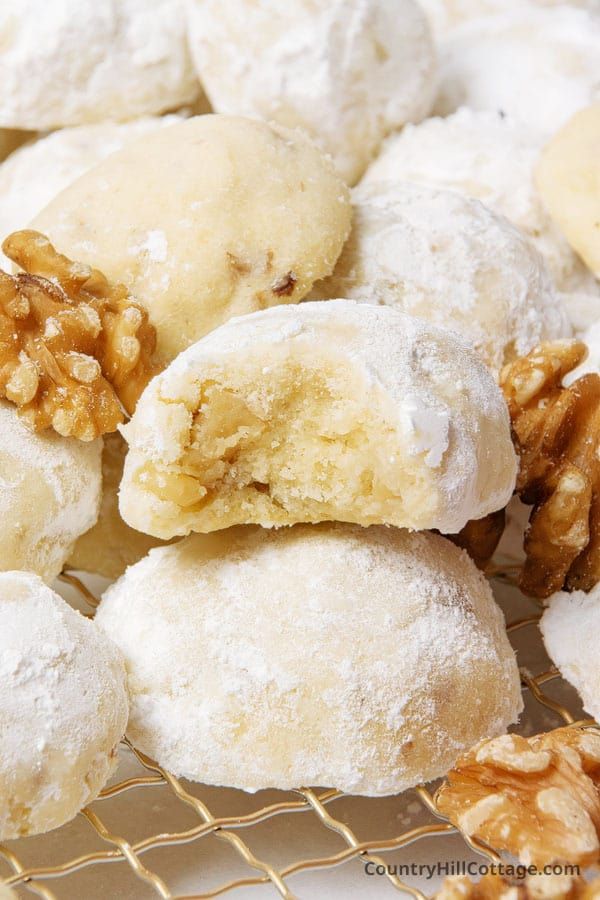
[(556, 433), (537, 798), (74, 349)]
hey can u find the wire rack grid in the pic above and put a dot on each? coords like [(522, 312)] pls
[(43, 881)]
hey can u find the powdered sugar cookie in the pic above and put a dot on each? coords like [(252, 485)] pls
[(537, 65), (35, 173), (231, 681), (446, 258), (322, 411), (67, 62), (348, 72), (491, 157), (210, 218), (63, 708), (570, 627), (49, 495), (568, 178)]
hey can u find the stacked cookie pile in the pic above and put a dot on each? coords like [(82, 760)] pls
[(257, 363)]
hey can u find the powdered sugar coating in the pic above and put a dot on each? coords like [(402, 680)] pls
[(49, 495), (406, 426), (66, 63), (446, 258), (491, 157), (445, 14), (570, 627), (537, 65), (34, 174), (233, 682), (348, 72), (63, 707)]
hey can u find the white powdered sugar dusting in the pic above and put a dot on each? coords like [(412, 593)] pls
[(447, 258), (570, 628), (49, 495), (63, 706), (232, 683)]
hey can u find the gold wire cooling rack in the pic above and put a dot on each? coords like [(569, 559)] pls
[(116, 847)]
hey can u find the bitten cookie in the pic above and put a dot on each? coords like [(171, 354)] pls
[(63, 708), (67, 62), (213, 217), (448, 259), (49, 495), (322, 411), (364, 659), (348, 72)]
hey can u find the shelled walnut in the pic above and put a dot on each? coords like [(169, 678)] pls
[(534, 887), (74, 349), (537, 798), (556, 432)]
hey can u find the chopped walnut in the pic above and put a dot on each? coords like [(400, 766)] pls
[(74, 349), (534, 887), (556, 432), (537, 798)]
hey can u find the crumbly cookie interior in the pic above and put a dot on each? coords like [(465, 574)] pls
[(281, 444)]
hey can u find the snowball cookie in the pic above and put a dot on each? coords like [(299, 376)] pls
[(110, 546), (49, 495), (538, 65), (67, 62), (210, 218), (323, 411), (445, 14), (371, 672), (570, 627), (63, 708), (348, 72), (36, 173), (448, 259), (488, 156), (568, 178)]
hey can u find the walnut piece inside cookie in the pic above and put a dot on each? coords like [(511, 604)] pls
[(74, 349), (537, 798)]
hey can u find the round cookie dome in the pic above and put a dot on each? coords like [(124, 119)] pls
[(446, 258), (35, 173), (347, 72), (371, 672), (63, 708), (207, 219), (537, 65), (325, 411), (68, 62), (49, 495), (490, 157)]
